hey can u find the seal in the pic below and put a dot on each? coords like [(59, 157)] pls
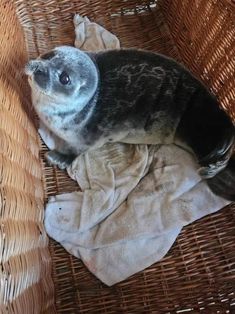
[(130, 96)]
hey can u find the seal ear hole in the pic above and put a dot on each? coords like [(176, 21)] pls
[(64, 78)]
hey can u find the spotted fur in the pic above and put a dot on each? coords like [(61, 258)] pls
[(131, 96)]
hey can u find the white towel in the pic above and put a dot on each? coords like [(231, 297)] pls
[(134, 199)]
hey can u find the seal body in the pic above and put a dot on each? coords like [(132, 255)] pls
[(130, 96)]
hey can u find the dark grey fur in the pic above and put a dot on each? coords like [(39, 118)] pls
[(139, 97)]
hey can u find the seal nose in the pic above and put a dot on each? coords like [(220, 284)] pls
[(41, 76), (38, 71), (31, 67)]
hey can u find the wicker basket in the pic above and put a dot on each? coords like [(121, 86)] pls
[(37, 275)]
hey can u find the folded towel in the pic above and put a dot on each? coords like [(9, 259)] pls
[(90, 36), (134, 199)]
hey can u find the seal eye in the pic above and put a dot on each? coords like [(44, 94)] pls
[(64, 78)]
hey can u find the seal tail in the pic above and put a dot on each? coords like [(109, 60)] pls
[(210, 132), (218, 158), (218, 167), (223, 183)]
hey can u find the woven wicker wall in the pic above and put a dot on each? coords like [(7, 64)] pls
[(204, 32), (198, 274), (25, 280)]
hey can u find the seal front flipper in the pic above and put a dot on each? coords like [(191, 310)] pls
[(56, 158)]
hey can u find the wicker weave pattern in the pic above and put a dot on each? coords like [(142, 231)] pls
[(198, 274), (204, 32), (49, 24), (24, 255)]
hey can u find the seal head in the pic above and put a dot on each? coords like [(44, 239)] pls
[(65, 75)]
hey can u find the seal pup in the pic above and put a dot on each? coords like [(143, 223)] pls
[(130, 96)]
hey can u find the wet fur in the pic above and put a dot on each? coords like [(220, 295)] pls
[(139, 97)]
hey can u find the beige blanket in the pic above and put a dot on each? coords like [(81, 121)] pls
[(134, 200)]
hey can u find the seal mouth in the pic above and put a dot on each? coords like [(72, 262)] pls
[(30, 81), (29, 69)]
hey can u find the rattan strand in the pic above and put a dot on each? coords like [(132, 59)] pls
[(25, 279)]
